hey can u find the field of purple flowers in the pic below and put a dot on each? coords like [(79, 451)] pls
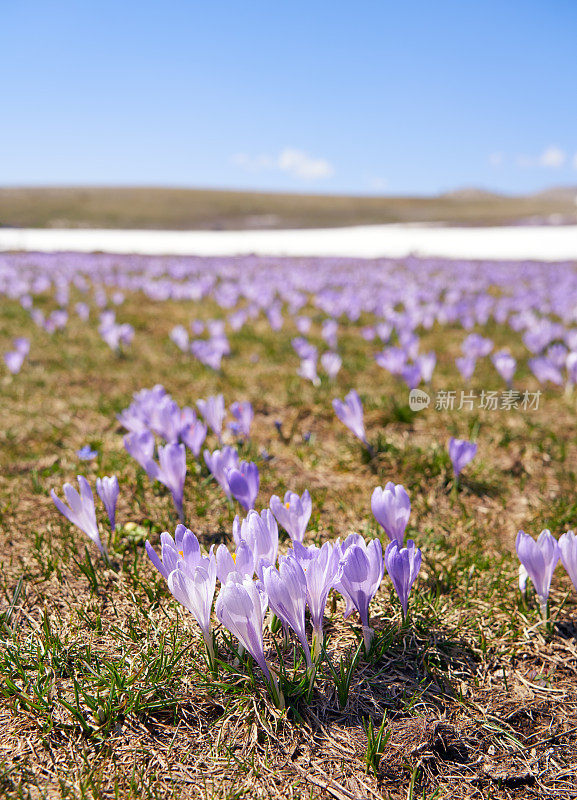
[(287, 527)]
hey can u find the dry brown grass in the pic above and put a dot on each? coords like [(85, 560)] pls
[(480, 700), (185, 209)]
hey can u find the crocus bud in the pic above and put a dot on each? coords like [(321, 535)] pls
[(391, 507)]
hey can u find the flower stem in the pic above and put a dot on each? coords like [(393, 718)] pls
[(210, 654), (317, 642), (368, 634), (274, 690)]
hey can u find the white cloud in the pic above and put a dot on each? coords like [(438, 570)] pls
[(552, 156), (295, 162), (496, 159), (290, 160), (575, 161)]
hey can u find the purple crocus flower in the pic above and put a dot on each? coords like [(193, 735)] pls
[(571, 364), (125, 334), (539, 559), (191, 577), (303, 324), (360, 574), (466, 366), (86, 453), (218, 463), (59, 318), (193, 435), (274, 317), (391, 507), (557, 354), (213, 411), (179, 335), (409, 342), (134, 420), (80, 510), (21, 344), (286, 589), (426, 363), (331, 363), (461, 452), (141, 447), (308, 370), (108, 318), (505, 365), (14, 360), (115, 335), (108, 491), (329, 330), (237, 319), (184, 545), (244, 482), (172, 473), (303, 348), (476, 346), (568, 549), (544, 370), (241, 561), (393, 359), (540, 333), (384, 331), (260, 532), (240, 607), (166, 419), (37, 317), (403, 565), (411, 374), (350, 412), (293, 513), (243, 415), (352, 539), (83, 311), (209, 353), (320, 567), (193, 587)]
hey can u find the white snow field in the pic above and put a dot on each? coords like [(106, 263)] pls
[(539, 243)]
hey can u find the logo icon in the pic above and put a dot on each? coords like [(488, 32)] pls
[(418, 400)]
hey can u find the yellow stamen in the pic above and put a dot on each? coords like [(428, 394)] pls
[(288, 505), (234, 557)]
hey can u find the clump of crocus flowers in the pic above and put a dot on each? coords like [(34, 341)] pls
[(153, 413), (255, 580), (539, 560)]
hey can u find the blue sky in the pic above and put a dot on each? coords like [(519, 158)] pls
[(363, 97)]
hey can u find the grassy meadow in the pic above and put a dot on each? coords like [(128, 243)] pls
[(104, 689)]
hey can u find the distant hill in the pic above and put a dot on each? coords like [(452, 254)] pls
[(198, 209), (472, 193), (559, 194)]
